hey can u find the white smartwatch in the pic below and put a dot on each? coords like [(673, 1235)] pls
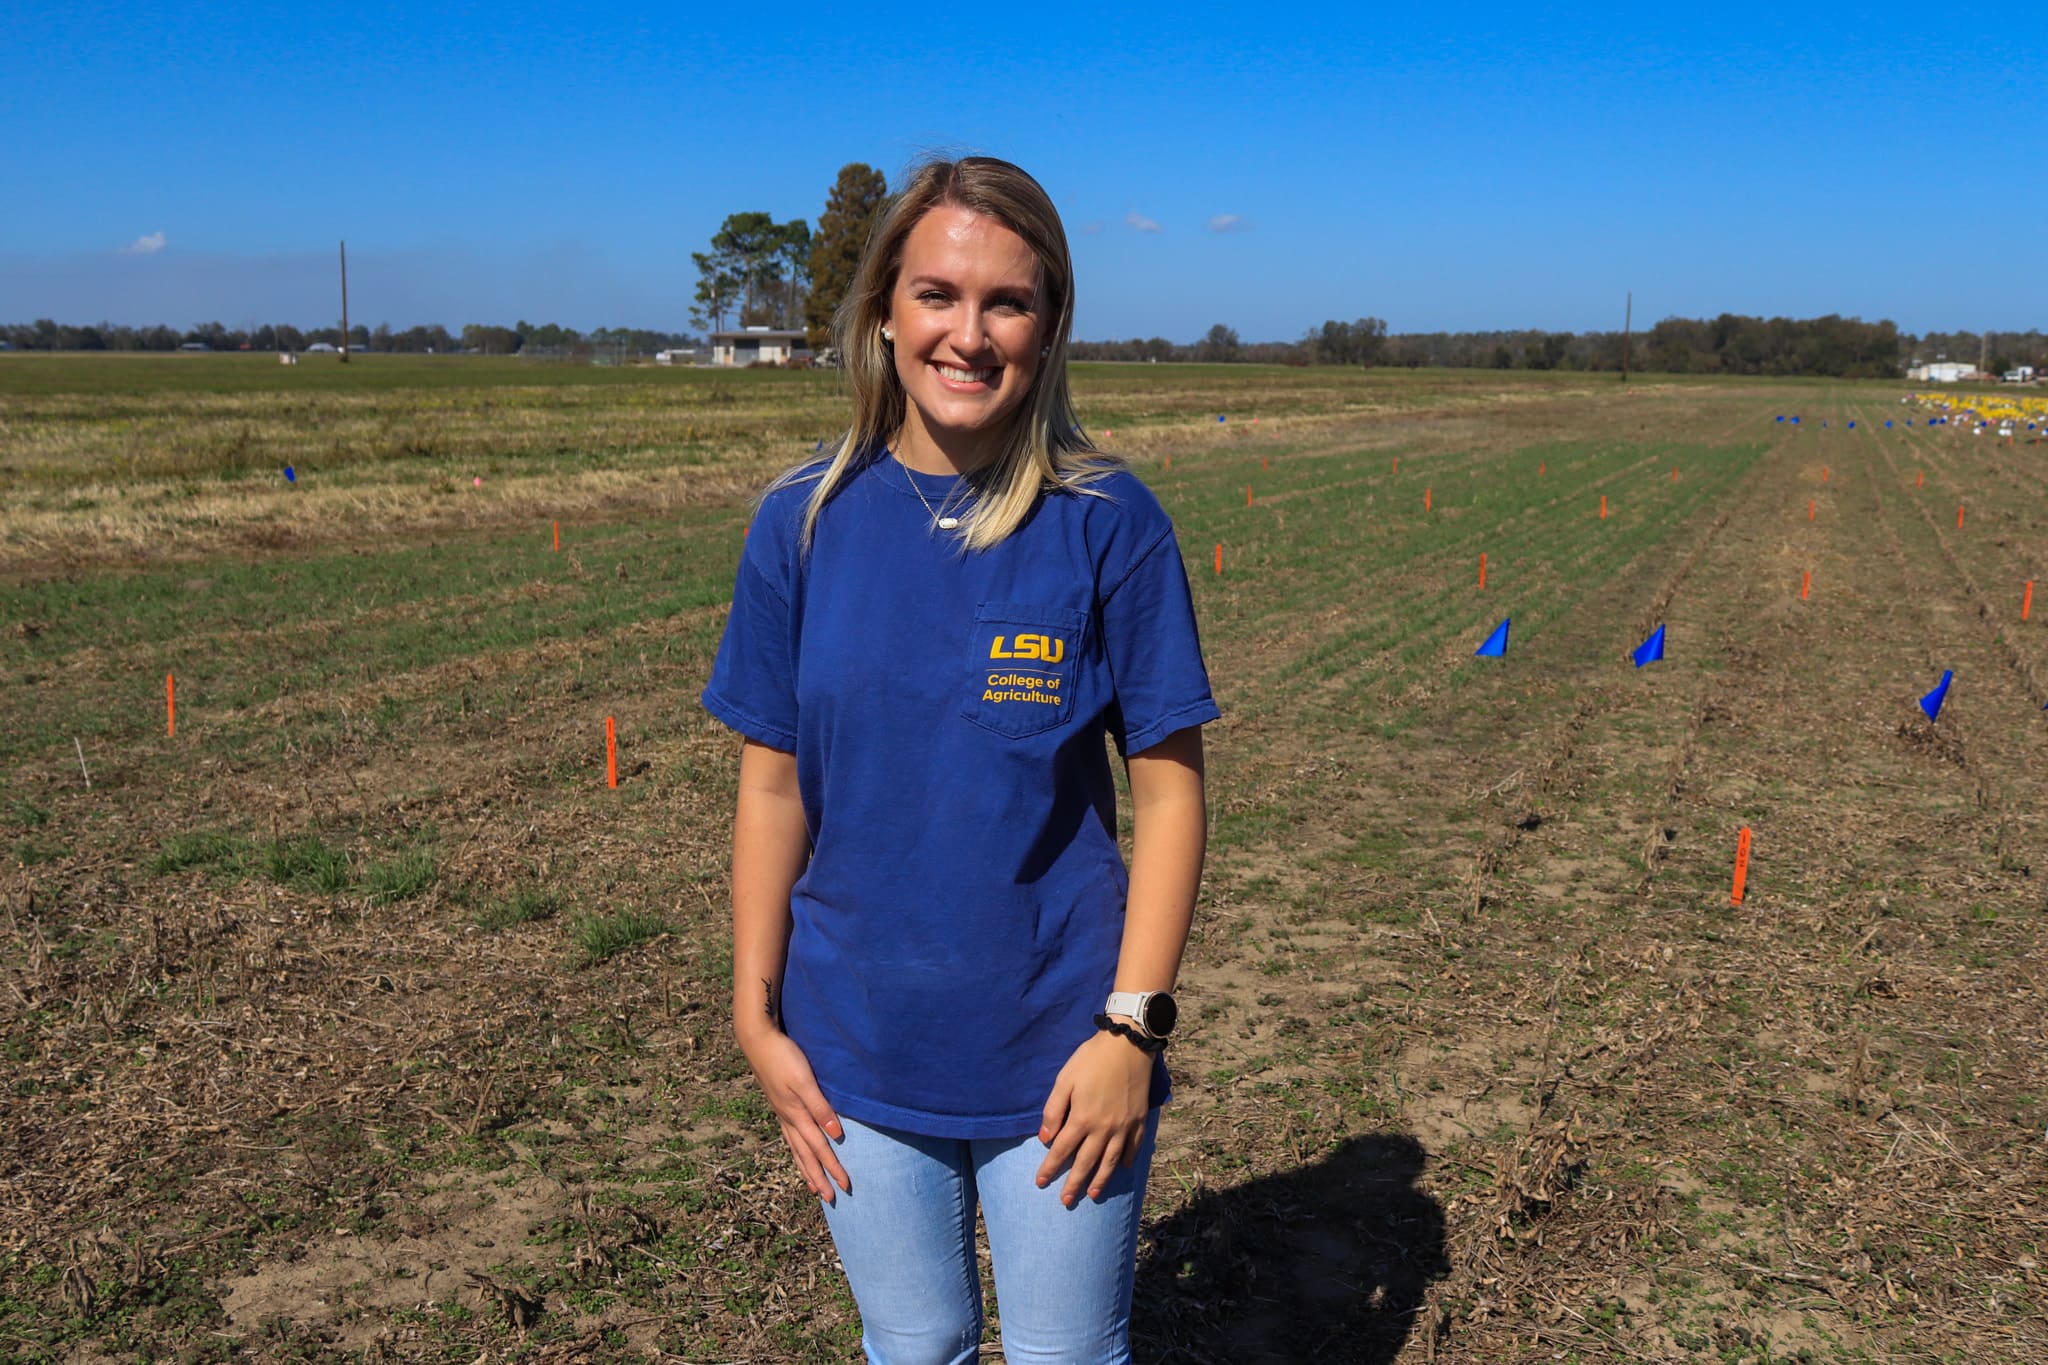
[(1154, 1011)]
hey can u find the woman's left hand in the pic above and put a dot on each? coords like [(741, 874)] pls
[(1095, 1117)]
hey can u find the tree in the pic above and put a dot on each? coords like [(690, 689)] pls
[(717, 286), (759, 260), (1348, 343), (851, 208), (489, 339), (793, 267), (1221, 343)]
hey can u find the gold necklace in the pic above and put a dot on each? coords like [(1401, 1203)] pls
[(943, 523)]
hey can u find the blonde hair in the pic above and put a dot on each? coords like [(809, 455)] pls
[(1045, 448)]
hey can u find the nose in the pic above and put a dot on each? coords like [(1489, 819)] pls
[(970, 331)]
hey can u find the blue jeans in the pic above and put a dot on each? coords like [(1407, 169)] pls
[(905, 1234)]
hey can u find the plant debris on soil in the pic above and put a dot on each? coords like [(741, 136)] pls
[(360, 1019)]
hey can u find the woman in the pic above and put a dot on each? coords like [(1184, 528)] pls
[(949, 988)]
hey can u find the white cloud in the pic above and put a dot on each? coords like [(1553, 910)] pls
[(147, 245), (1228, 222), (1092, 227), (1141, 222)]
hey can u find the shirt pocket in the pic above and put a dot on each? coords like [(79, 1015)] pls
[(1022, 664)]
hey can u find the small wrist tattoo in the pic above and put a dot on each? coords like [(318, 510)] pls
[(774, 1006)]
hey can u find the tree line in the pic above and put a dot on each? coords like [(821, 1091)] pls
[(1728, 344), (523, 338), (1830, 346)]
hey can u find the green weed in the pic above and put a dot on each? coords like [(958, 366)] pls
[(306, 863), (603, 936), (523, 906)]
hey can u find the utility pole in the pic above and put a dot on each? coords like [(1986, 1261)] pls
[(344, 303), (1628, 317)]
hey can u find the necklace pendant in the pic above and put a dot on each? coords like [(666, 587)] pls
[(948, 523)]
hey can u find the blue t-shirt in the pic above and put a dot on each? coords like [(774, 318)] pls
[(957, 927)]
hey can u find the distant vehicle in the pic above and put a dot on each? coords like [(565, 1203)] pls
[(321, 348), (195, 346)]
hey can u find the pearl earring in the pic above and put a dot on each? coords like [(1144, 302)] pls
[(888, 335)]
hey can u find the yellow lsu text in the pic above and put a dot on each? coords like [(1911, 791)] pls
[(1051, 649)]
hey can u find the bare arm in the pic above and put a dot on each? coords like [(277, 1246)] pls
[(1095, 1117), (1169, 839), (770, 846)]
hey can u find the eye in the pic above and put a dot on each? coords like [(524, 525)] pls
[(932, 296), (1013, 303)]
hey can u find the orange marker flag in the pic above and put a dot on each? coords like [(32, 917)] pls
[(1603, 507), (1247, 495), (2027, 602), (1425, 499), (1169, 462), (1264, 463), (1674, 473), (1482, 568), (1806, 585), (1741, 866), (1397, 464), (171, 695), (1921, 482), (611, 752), (1219, 559), (558, 537), (1823, 473), (1959, 518), (1809, 509), (1541, 465)]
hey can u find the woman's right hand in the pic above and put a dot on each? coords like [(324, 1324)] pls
[(808, 1124)]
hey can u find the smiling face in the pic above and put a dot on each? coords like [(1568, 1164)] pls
[(968, 317)]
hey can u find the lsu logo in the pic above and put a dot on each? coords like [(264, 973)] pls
[(1048, 649)]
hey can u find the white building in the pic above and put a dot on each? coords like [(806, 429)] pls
[(758, 345), (1944, 372)]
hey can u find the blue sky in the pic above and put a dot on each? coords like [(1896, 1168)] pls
[(1442, 167)]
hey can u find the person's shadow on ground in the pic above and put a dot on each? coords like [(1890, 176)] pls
[(1327, 1263)]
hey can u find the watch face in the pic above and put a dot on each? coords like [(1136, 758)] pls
[(1160, 1012)]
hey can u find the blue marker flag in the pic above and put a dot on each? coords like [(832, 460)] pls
[(1781, 417), (1887, 424), (1795, 421), (1931, 703), (289, 475), (1650, 650), (1852, 426), (1496, 646)]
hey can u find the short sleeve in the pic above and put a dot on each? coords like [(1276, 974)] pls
[(1154, 650), (753, 679)]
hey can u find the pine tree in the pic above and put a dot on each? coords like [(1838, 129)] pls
[(850, 212)]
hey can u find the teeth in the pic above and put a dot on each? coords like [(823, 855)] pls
[(966, 376)]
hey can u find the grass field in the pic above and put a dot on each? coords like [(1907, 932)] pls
[(361, 1020)]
